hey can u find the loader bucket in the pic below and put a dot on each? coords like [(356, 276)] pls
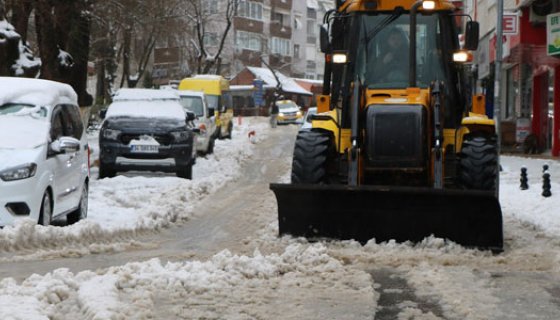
[(469, 218)]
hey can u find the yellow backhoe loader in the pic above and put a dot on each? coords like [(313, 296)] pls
[(396, 150)]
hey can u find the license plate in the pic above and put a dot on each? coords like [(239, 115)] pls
[(140, 148)]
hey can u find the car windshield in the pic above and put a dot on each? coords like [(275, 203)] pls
[(193, 104), (17, 109)]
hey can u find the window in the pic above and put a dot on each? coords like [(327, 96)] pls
[(250, 10), (310, 53), (74, 124), (280, 46), (248, 40), (210, 39), (210, 6), (296, 51), (57, 125), (311, 29), (278, 17), (311, 13)]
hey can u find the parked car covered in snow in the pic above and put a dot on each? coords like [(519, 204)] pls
[(146, 129), (205, 120), (44, 167), (289, 112)]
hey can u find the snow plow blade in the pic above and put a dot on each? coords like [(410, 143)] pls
[(469, 218)]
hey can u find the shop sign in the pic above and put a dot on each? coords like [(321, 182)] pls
[(553, 34), (510, 24)]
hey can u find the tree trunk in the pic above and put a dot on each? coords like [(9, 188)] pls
[(78, 47), (47, 41), (21, 11)]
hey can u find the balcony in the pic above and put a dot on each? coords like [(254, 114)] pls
[(279, 30)]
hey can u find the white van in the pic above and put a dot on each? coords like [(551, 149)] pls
[(205, 121), (44, 155)]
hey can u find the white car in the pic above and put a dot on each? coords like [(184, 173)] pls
[(307, 125), (44, 154), (195, 102)]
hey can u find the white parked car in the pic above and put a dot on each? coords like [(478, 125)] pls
[(44, 154), (195, 102), (307, 119)]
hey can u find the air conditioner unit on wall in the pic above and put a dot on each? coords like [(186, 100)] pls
[(540, 9)]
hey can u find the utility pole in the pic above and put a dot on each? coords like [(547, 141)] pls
[(497, 85)]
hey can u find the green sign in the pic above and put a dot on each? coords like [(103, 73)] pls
[(553, 34)]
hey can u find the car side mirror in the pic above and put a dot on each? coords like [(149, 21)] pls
[(324, 39), (472, 32), (65, 145), (102, 114), (211, 112), (190, 116)]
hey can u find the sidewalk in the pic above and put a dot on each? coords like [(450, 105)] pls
[(517, 151)]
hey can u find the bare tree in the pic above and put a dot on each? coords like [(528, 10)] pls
[(203, 17)]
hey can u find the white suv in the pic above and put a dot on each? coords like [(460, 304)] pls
[(205, 121), (44, 155)]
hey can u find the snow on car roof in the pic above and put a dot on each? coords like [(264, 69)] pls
[(128, 94), (146, 109), (190, 93), (288, 84), (35, 92)]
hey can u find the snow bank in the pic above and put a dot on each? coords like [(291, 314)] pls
[(125, 206), (303, 282), (530, 205)]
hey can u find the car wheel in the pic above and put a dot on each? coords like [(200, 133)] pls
[(185, 172), (45, 215), (106, 171), (211, 144), (81, 212), (230, 129)]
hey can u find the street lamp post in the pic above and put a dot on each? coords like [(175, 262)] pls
[(497, 86)]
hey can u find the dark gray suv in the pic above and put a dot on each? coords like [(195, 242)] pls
[(148, 130)]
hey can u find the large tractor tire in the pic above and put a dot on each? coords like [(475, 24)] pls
[(478, 162), (313, 154)]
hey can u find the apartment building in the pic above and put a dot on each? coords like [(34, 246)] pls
[(282, 33)]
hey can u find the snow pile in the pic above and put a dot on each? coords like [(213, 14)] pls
[(141, 203), (291, 285)]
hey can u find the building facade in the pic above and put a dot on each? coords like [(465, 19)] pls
[(281, 33), (530, 78)]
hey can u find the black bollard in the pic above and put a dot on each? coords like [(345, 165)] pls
[(524, 181), (546, 185), (545, 168)]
